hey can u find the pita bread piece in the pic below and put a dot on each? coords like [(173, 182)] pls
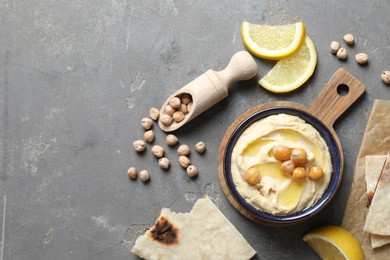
[(203, 233), (377, 221), (374, 166)]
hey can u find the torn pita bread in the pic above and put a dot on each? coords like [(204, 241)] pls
[(203, 233), (374, 166), (377, 221)]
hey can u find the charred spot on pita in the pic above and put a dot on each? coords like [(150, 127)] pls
[(164, 232)]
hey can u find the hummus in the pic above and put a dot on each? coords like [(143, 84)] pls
[(277, 193)]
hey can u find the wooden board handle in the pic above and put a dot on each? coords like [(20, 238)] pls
[(331, 103)]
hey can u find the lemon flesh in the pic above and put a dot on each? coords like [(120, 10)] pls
[(292, 72), (333, 242), (273, 42)]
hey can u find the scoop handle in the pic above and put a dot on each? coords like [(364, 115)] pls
[(339, 93), (241, 67)]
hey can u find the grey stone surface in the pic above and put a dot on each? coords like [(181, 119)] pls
[(76, 77)]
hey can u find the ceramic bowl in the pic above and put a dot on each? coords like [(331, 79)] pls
[(263, 217)]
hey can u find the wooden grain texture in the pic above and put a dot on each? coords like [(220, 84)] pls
[(326, 108), (330, 105), (212, 86)]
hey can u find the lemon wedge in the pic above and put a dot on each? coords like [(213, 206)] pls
[(273, 42), (290, 73), (333, 242)]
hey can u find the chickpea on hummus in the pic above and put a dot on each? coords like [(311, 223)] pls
[(280, 164)]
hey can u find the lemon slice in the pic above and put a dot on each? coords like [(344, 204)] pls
[(332, 242), (273, 42), (290, 73)]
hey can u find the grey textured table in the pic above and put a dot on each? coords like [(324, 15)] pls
[(76, 77)]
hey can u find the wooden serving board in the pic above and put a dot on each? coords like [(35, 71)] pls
[(340, 92)]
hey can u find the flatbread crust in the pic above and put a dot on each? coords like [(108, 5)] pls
[(203, 233), (377, 221), (374, 165)]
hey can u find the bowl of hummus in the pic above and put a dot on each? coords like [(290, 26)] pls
[(281, 166), (280, 163)]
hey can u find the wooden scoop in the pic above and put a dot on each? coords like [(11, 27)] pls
[(211, 87)]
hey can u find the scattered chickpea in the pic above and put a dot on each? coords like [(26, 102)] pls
[(200, 147), (171, 140), (139, 145), (164, 163), (184, 108), (183, 149), (385, 76), (186, 98), (166, 119), (281, 152), (361, 58), (349, 39), (175, 102), (334, 47), (298, 174), (132, 173), (154, 113), (146, 123), (169, 110), (342, 54), (144, 175), (298, 156), (184, 161), (149, 136), (157, 151), (287, 167), (315, 173), (192, 171), (178, 116), (252, 176)]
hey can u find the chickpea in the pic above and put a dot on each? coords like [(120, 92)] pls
[(157, 151), (200, 147), (186, 98), (315, 173), (175, 102), (132, 173), (298, 174), (169, 110), (166, 119), (139, 146), (361, 58), (146, 123), (287, 167), (342, 54), (144, 175), (298, 156), (281, 152), (178, 116), (164, 163), (349, 39), (252, 176), (149, 136), (334, 47), (184, 108), (184, 161), (171, 140), (154, 113), (192, 171), (189, 107), (183, 149), (385, 76)]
